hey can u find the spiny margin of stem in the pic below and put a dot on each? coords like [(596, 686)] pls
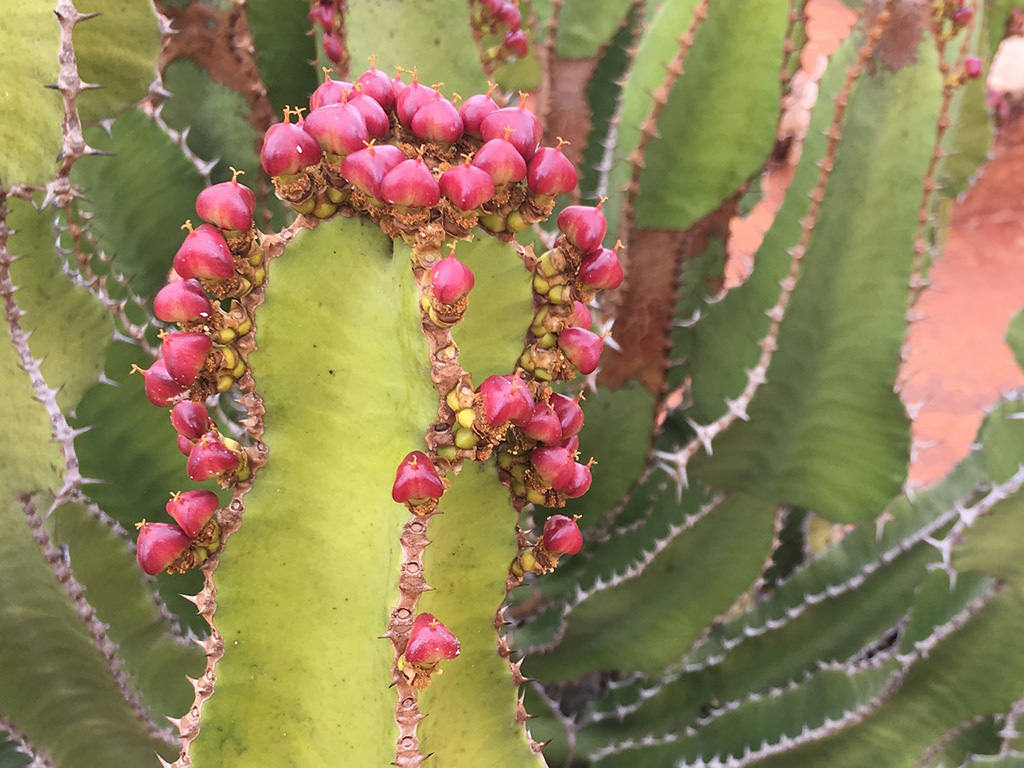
[(675, 462), (97, 629), (40, 758), (230, 517), (649, 128), (545, 54), (445, 372)]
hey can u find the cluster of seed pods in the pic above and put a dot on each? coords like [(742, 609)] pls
[(502, 20), (952, 17), (219, 262)]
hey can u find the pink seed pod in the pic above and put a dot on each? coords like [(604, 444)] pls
[(506, 398), (474, 109), (182, 301), (366, 168), (502, 161), (572, 444), (553, 464), (228, 205), (330, 91), (287, 148), (562, 535), (338, 128), (516, 43), (159, 545), (416, 480), (509, 14), (413, 96), (161, 388), (210, 457), (322, 15), (410, 184), (584, 226), (467, 186), (438, 121), (544, 426), (580, 317), (190, 420), (581, 347), (334, 48), (185, 445), (204, 254), (962, 16), (430, 641), (192, 510), (551, 172), (525, 126), (450, 279), (973, 67), (377, 85), (601, 270), (570, 415), (378, 126), (184, 355), (580, 482)]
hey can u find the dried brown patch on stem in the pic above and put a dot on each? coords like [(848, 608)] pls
[(897, 47)]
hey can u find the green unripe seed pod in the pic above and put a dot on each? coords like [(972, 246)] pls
[(465, 439), (466, 417)]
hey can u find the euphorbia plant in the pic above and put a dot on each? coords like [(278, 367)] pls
[(354, 317)]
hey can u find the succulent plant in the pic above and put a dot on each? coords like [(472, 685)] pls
[(490, 282)]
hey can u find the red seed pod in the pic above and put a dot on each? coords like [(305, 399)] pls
[(182, 301), (185, 445), (334, 48), (553, 464), (569, 414), (525, 127), (466, 186), (204, 254), (338, 128), (378, 125), (474, 109), (973, 67), (502, 162), (410, 184), (287, 148), (509, 14), (416, 480), (516, 42), (584, 226), (580, 482), (571, 445), (228, 205), (192, 510), (413, 96), (962, 16), (366, 168), (544, 426), (430, 641), (581, 347), (378, 85), (210, 457), (601, 270), (562, 535), (322, 15), (190, 419), (551, 172), (450, 279), (161, 389), (329, 92), (580, 317), (159, 545), (506, 398), (493, 6), (437, 120), (184, 355)]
